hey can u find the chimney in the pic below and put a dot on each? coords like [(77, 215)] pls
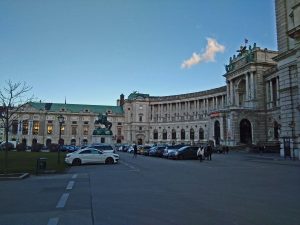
[(122, 100)]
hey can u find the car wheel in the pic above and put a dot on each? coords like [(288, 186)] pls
[(109, 160), (76, 162)]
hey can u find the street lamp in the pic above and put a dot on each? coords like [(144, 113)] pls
[(61, 120)]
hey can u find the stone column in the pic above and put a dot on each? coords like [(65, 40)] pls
[(231, 94), (267, 95), (277, 91), (271, 94), (252, 84), (247, 86)]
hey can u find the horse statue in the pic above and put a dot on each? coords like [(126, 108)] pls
[(102, 119)]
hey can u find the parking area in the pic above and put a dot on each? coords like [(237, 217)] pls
[(237, 188)]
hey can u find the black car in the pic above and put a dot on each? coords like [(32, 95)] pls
[(170, 149), (186, 152), (157, 151)]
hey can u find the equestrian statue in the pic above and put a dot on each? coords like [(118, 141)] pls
[(102, 119)]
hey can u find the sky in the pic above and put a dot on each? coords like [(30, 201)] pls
[(91, 51)]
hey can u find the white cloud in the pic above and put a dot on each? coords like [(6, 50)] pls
[(212, 48)]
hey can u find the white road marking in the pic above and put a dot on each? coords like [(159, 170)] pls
[(53, 221), (74, 176), (63, 200), (70, 185), (130, 166)]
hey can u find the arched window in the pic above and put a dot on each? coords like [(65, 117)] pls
[(155, 135), (73, 141), (173, 134), (165, 134), (192, 134), (201, 133), (182, 134)]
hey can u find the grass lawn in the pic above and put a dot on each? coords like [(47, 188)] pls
[(26, 162)]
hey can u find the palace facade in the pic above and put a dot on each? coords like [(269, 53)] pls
[(259, 104)]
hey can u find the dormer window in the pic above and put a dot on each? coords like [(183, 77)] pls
[(108, 112), (86, 111), (62, 109)]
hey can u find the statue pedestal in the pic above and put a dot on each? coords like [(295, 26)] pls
[(102, 139)]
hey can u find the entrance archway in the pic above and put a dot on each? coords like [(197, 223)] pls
[(245, 132), (217, 132)]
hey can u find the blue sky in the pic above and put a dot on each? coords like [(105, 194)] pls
[(91, 51)]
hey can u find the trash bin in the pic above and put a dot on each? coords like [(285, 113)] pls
[(41, 164)]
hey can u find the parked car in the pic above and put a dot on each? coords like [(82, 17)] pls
[(130, 149), (103, 147), (69, 148), (9, 144), (186, 152), (145, 150), (91, 156), (170, 149), (157, 151)]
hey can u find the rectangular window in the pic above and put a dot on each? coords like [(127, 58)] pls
[(74, 122), (85, 130), (49, 129), (119, 131), (62, 129), (86, 122), (25, 127), (36, 127), (141, 118), (74, 130), (14, 127), (140, 128)]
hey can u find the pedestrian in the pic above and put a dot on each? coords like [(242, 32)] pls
[(227, 149), (209, 152), (200, 153), (134, 151)]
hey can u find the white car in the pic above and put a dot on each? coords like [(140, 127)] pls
[(90, 156)]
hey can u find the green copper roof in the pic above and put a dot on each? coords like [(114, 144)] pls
[(76, 108), (136, 95)]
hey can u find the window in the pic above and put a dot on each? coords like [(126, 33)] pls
[(140, 118), (62, 129), (74, 130), (192, 134), (14, 127), (155, 134), (36, 127), (25, 127), (119, 132), (201, 134), (49, 128), (85, 130), (173, 134), (86, 152), (119, 124), (74, 122), (86, 122), (182, 134), (140, 128), (165, 135)]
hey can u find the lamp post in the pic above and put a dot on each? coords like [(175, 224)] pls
[(61, 120)]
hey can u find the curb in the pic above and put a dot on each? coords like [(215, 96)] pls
[(14, 176)]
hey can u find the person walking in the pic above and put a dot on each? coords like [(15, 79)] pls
[(209, 152), (134, 151), (200, 153)]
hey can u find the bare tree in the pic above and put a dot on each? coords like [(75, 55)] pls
[(13, 96)]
